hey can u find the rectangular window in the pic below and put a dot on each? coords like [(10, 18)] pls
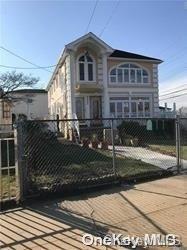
[(139, 75), (147, 109), (119, 110), (6, 110), (80, 107), (126, 75), (113, 79), (119, 98), (140, 109), (133, 109), (90, 72), (119, 107), (120, 76), (126, 109), (140, 98), (145, 79), (132, 76), (81, 71), (112, 107)]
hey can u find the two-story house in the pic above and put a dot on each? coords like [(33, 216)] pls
[(93, 80)]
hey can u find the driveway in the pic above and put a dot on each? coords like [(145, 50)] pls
[(160, 160), (154, 207)]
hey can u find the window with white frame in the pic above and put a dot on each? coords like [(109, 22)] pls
[(135, 106), (128, 73), (86, 68), (6, 110)]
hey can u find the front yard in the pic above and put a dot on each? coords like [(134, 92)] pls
[(77, 165), (168, 149)]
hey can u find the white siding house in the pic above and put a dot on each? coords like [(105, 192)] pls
[(31, 103), (93, 80)]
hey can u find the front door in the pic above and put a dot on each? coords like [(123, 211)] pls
[(80, 107), (95, 107)]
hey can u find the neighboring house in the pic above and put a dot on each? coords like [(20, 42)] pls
[(30, 103), (5, 115), (93, 80), (166, 112)]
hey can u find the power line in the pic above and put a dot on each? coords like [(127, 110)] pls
[(174, 57), (173, 97), (174, 92), (91, 17), (173, 72), (172, 43), (14, 67), (180, 86), (109, 19), (23, 59)]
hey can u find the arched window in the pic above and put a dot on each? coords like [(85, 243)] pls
[(129, 73), (86, 68)]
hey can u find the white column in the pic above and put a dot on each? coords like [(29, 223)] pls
[(72, 80), (106, 111)]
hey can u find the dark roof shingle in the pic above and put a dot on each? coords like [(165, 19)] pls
[(125, 54), (30, 91)]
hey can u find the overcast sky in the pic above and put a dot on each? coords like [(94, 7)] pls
[(38, 31)]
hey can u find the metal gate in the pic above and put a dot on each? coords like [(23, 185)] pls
[(9, 190), (56, 157)]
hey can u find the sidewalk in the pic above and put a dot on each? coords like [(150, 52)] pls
[(154, 207), (160, 160)]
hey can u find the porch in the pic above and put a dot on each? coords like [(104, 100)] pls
[(89, 107)]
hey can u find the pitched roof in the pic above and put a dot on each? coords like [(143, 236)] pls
[(129, 55), (87, 36)]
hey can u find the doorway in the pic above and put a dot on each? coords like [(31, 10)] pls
[(95, 107)]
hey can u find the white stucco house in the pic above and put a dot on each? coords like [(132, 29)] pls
[(94, 80), (31, 103)]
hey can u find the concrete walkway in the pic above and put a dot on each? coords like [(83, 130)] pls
[(160, 160), (154, 207)]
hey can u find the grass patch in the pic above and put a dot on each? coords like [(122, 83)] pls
[(52, 163), (169, 150), (91, 170), (7, 187)]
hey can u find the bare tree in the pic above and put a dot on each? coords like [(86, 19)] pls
[(11, 81)]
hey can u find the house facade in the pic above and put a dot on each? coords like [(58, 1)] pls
[(29, 103), (93, 80)]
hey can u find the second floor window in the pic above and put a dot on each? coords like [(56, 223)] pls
[(85, 68), (129, 73)]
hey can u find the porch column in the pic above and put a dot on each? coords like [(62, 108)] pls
[(106, 111)]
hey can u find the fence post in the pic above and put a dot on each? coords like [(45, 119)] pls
[(178, 143), (22, 180), (113, 148), (17, 172)]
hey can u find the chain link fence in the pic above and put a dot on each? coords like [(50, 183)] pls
[(66, 155), (183, 144)]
